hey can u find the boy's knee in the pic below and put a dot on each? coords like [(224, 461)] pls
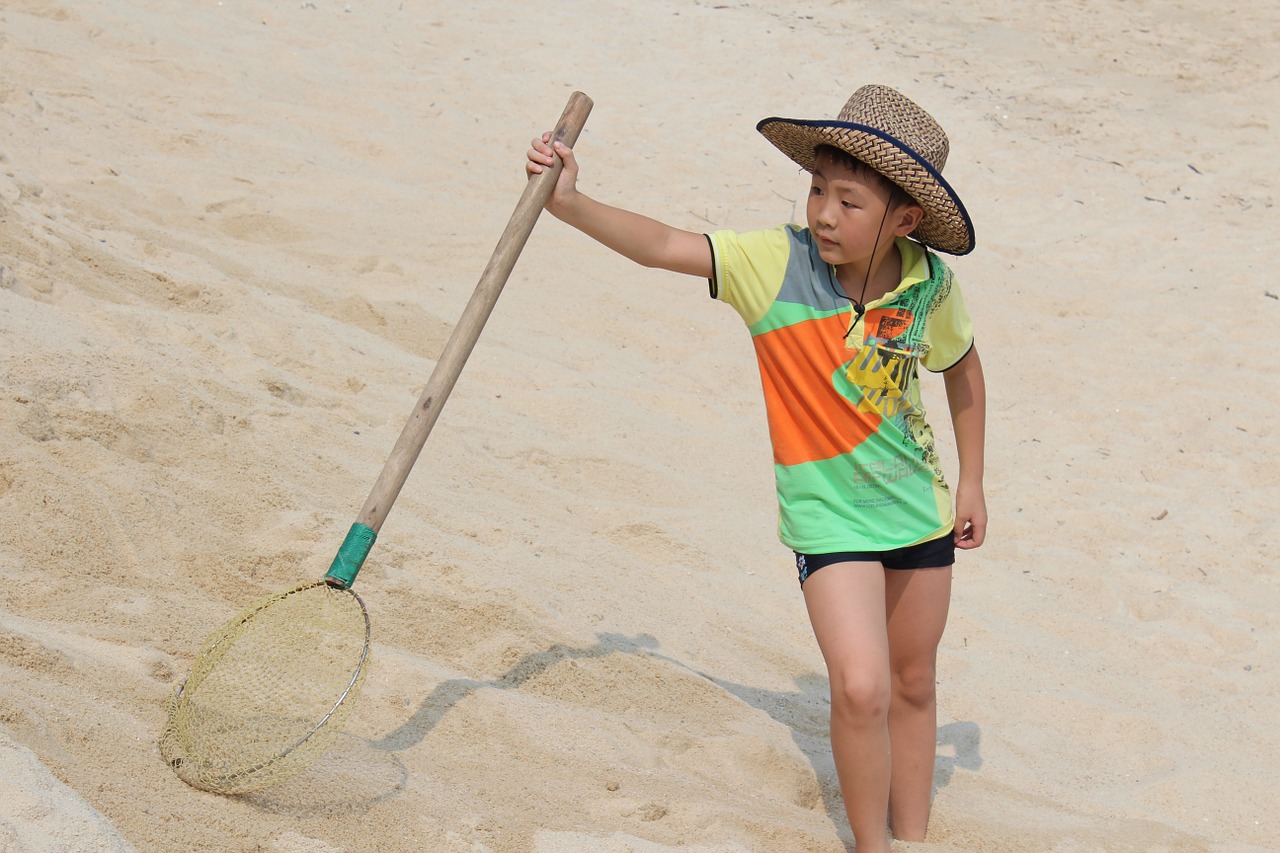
[(916, 685), (859, 696)]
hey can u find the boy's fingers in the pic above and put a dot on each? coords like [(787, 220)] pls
[(970, 536), (542, 155), (539, 155)]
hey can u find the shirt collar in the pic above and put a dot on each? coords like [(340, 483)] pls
[(915, 268)]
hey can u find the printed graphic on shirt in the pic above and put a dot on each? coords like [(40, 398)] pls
[(885, 366), (893, 347), (888, 323)]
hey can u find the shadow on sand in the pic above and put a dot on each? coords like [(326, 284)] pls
[(357, 774)]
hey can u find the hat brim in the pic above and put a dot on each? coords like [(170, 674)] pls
[(946, 225)]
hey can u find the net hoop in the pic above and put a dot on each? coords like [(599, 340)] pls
[(252, 778)]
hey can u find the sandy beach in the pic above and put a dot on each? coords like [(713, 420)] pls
[(235, 236)]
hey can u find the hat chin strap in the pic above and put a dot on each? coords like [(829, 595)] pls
[(859, 307)]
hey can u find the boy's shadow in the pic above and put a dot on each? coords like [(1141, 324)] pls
[(449, 693), (964, 740), (803, 711)]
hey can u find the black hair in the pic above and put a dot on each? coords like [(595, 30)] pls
[(897, 195)]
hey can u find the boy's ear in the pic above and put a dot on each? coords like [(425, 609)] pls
[(908, 218)]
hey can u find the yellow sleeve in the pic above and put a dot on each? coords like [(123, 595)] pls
[(948, 330), (749, 269)]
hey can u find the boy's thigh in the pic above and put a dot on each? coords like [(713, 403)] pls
[(916, 605), (846, 604)]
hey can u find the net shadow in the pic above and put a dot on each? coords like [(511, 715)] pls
[(349, 779)]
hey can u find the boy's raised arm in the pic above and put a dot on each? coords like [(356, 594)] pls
[(645, 241)]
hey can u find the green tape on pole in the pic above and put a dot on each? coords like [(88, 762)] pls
[(351, 556)]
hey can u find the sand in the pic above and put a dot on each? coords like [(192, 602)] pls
[(235, 236)]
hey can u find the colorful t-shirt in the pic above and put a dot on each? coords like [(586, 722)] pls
[(854, 458)]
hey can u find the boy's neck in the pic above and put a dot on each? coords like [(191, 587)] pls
[(886, 275)]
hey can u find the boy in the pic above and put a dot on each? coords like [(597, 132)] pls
[(842, 313)]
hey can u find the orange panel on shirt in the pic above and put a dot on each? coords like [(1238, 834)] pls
[(808, 418)]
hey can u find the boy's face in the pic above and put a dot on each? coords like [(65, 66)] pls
[(846, 211)]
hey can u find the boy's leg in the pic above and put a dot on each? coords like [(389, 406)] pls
[(916, 601), (846, 603)]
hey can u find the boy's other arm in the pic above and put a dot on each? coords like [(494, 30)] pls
[(967, 398), (645, 241)]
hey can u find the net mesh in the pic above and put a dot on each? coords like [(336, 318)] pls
[(269, 691)]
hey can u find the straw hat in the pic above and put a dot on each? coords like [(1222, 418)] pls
[(898, 139)]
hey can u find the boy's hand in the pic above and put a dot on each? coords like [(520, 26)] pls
[(541, 156), (971, 518)]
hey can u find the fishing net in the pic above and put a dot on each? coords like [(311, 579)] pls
[(269, 691)]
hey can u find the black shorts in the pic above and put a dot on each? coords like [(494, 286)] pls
[(934, 554)]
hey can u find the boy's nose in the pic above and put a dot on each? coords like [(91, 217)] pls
[(826, 213)]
